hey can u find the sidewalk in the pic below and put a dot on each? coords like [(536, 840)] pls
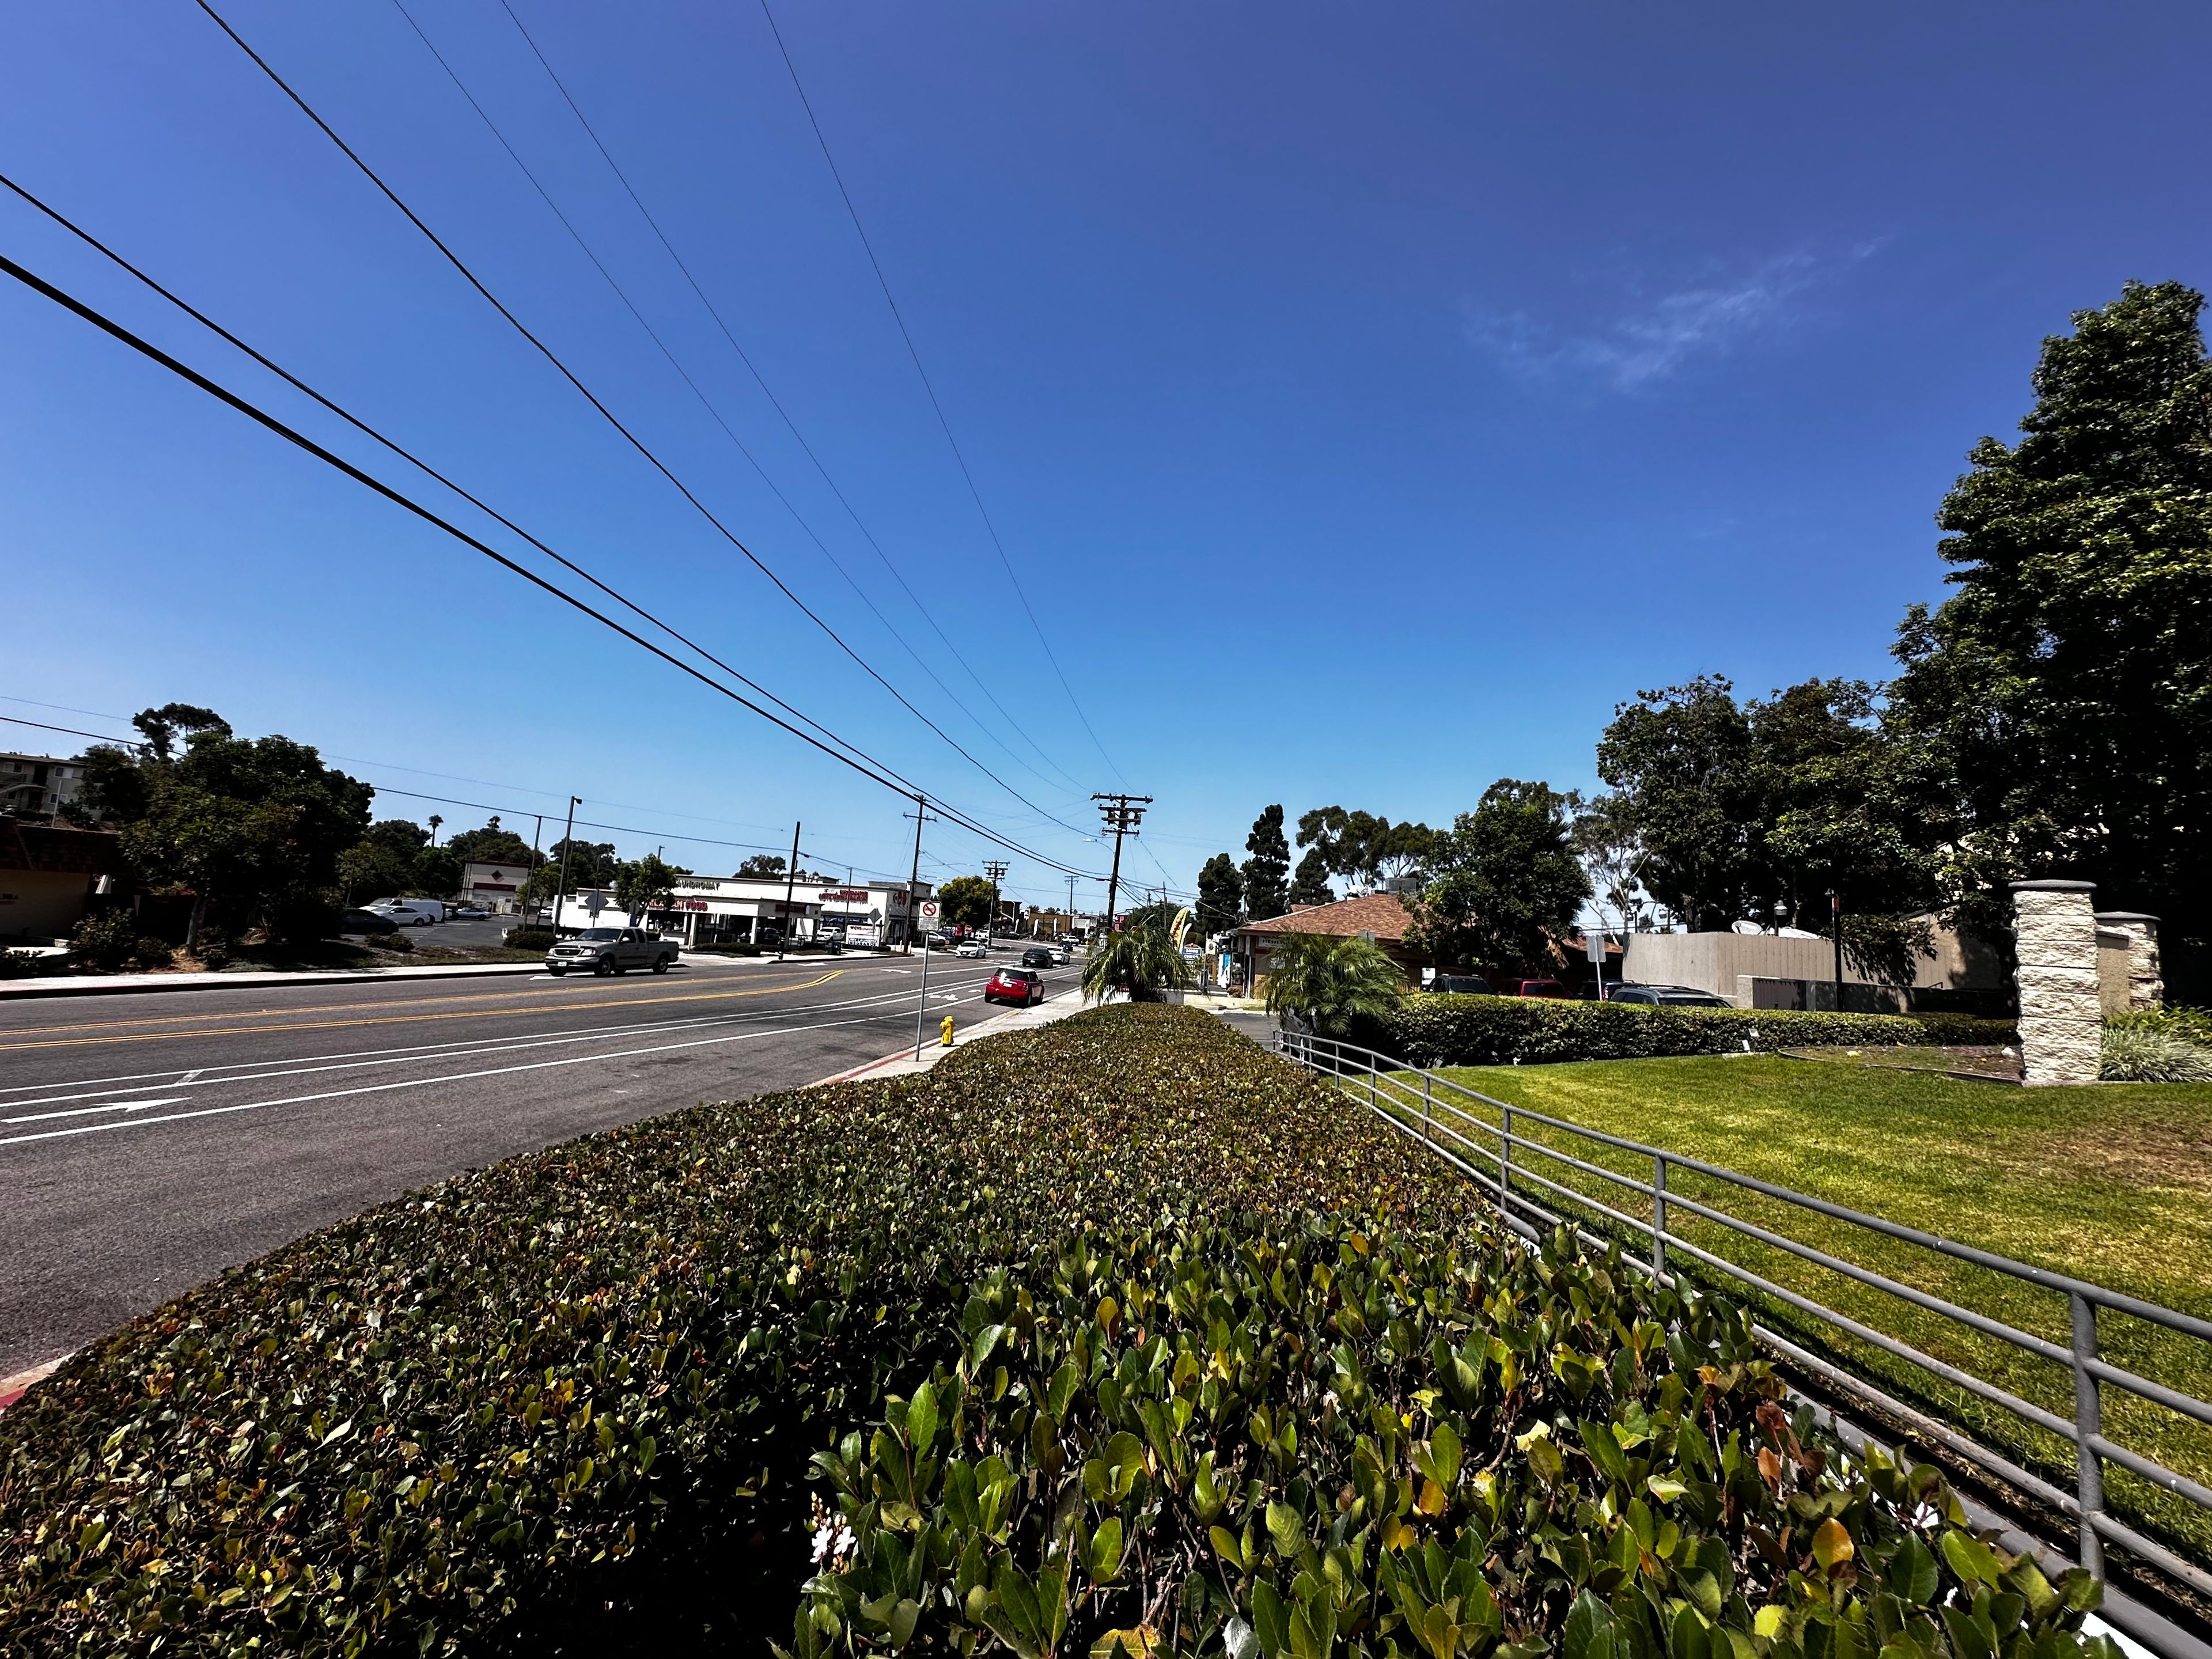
[(903, 1064), (94, 985)]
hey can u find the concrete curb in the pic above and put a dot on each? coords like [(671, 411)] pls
[(13, 1388), (903, 1064), (123, 984)]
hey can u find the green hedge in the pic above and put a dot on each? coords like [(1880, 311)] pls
[(1123, 1308), (531, 939), (1481, 1030)]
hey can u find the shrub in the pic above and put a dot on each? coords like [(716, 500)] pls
[(531, 938), (396, 940), (1267, 1441), (24, 965), (105, 940), (1477, 1030), (212, 951), (567, 1404), (1966, 1030), (2143, 1052), (148, 951), (2189, 1024)]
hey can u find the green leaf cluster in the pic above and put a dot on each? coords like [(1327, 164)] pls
[(1276, 1440), (1432, 1029)]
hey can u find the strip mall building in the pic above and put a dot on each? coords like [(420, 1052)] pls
[(741, 910)]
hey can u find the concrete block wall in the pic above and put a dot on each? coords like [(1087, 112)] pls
[(2135, 982)]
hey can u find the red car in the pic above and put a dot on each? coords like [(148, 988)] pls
[(1017, 985), (1536, 987)]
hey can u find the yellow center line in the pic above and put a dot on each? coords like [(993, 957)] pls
[(476, 999), (404, 1019)]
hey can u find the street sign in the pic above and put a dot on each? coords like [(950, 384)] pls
[(929, 909), (1593, 945)]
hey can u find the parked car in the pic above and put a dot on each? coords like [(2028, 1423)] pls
[(467, 912), (368, 922), (1037, 956), (1535, 988), (1018, 985), (1665, 996), (412, 913), (973, 949), (605, 950), (1461, 985)]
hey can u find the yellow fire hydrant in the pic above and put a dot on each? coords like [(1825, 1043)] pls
[(945, 1037)]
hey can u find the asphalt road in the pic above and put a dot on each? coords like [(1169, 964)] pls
[(149, 1141)]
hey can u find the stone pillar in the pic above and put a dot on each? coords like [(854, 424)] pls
[(2061, 1018), (2145, 987)]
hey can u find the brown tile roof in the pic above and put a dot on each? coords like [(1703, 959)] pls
[(1379, 913)]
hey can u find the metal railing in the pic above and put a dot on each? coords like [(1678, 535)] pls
[(1496, 1151)]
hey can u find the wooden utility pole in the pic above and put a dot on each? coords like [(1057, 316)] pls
[(790, 879), (920, 815), (1123, 813)]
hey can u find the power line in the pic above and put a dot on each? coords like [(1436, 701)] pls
[(347, 416), (636, 442), (777, 403), (866, 766), (706, 402), (884, 283), (128, 743)]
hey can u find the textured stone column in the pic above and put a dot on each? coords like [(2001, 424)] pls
[(2146, 989), (2061, 1019)]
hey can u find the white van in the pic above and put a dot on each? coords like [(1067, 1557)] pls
[(412, 913)]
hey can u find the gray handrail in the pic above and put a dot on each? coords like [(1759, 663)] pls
[(1390, 1091)]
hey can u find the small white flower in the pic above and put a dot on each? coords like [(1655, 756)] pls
[(824, 1537)]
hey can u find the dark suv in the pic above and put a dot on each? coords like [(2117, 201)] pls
[(1665, 996)]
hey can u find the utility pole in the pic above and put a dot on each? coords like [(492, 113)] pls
[(790, 878), (567, 845), (920, 815), (996, 869), (1123, 813), (536, 835), (1071, 903)]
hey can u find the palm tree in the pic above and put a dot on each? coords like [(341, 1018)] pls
[(1138, 957), (1328, 982)]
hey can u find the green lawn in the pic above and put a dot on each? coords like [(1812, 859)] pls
[(2111, 1183)]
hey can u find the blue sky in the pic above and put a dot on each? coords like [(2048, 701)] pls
[(1369, 398)]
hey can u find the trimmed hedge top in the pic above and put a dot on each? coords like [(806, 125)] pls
[(1121, 1325), (1429, 1029)]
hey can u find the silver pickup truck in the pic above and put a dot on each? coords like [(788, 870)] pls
[(611, 951)]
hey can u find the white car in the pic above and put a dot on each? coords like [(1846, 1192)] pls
[(412, 913), (973, 949)]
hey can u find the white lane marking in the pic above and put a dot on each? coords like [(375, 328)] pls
[(426, 1082), (92, 1088), (79, 1111)]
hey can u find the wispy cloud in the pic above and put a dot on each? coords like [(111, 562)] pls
[(1651, 336)]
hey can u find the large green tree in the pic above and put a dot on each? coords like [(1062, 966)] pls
[(1267, 872), (2061, 699), (965, 901), (492, 845), (1367, 850), (1220, 896), (646, 884), (1506, 882), (254, 828), (1310, 883), (1681, 760)]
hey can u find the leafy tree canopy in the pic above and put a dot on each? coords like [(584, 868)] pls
[(1680, 757), (1363, 849), (646, 884), (1220, 896), (1310, 884), (2061, 699), (1507, 882), (1267, 872), (492, 845), (965, 901), (761, 866), (255, 828)]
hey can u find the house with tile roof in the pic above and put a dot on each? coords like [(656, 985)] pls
[(1381, 917)]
